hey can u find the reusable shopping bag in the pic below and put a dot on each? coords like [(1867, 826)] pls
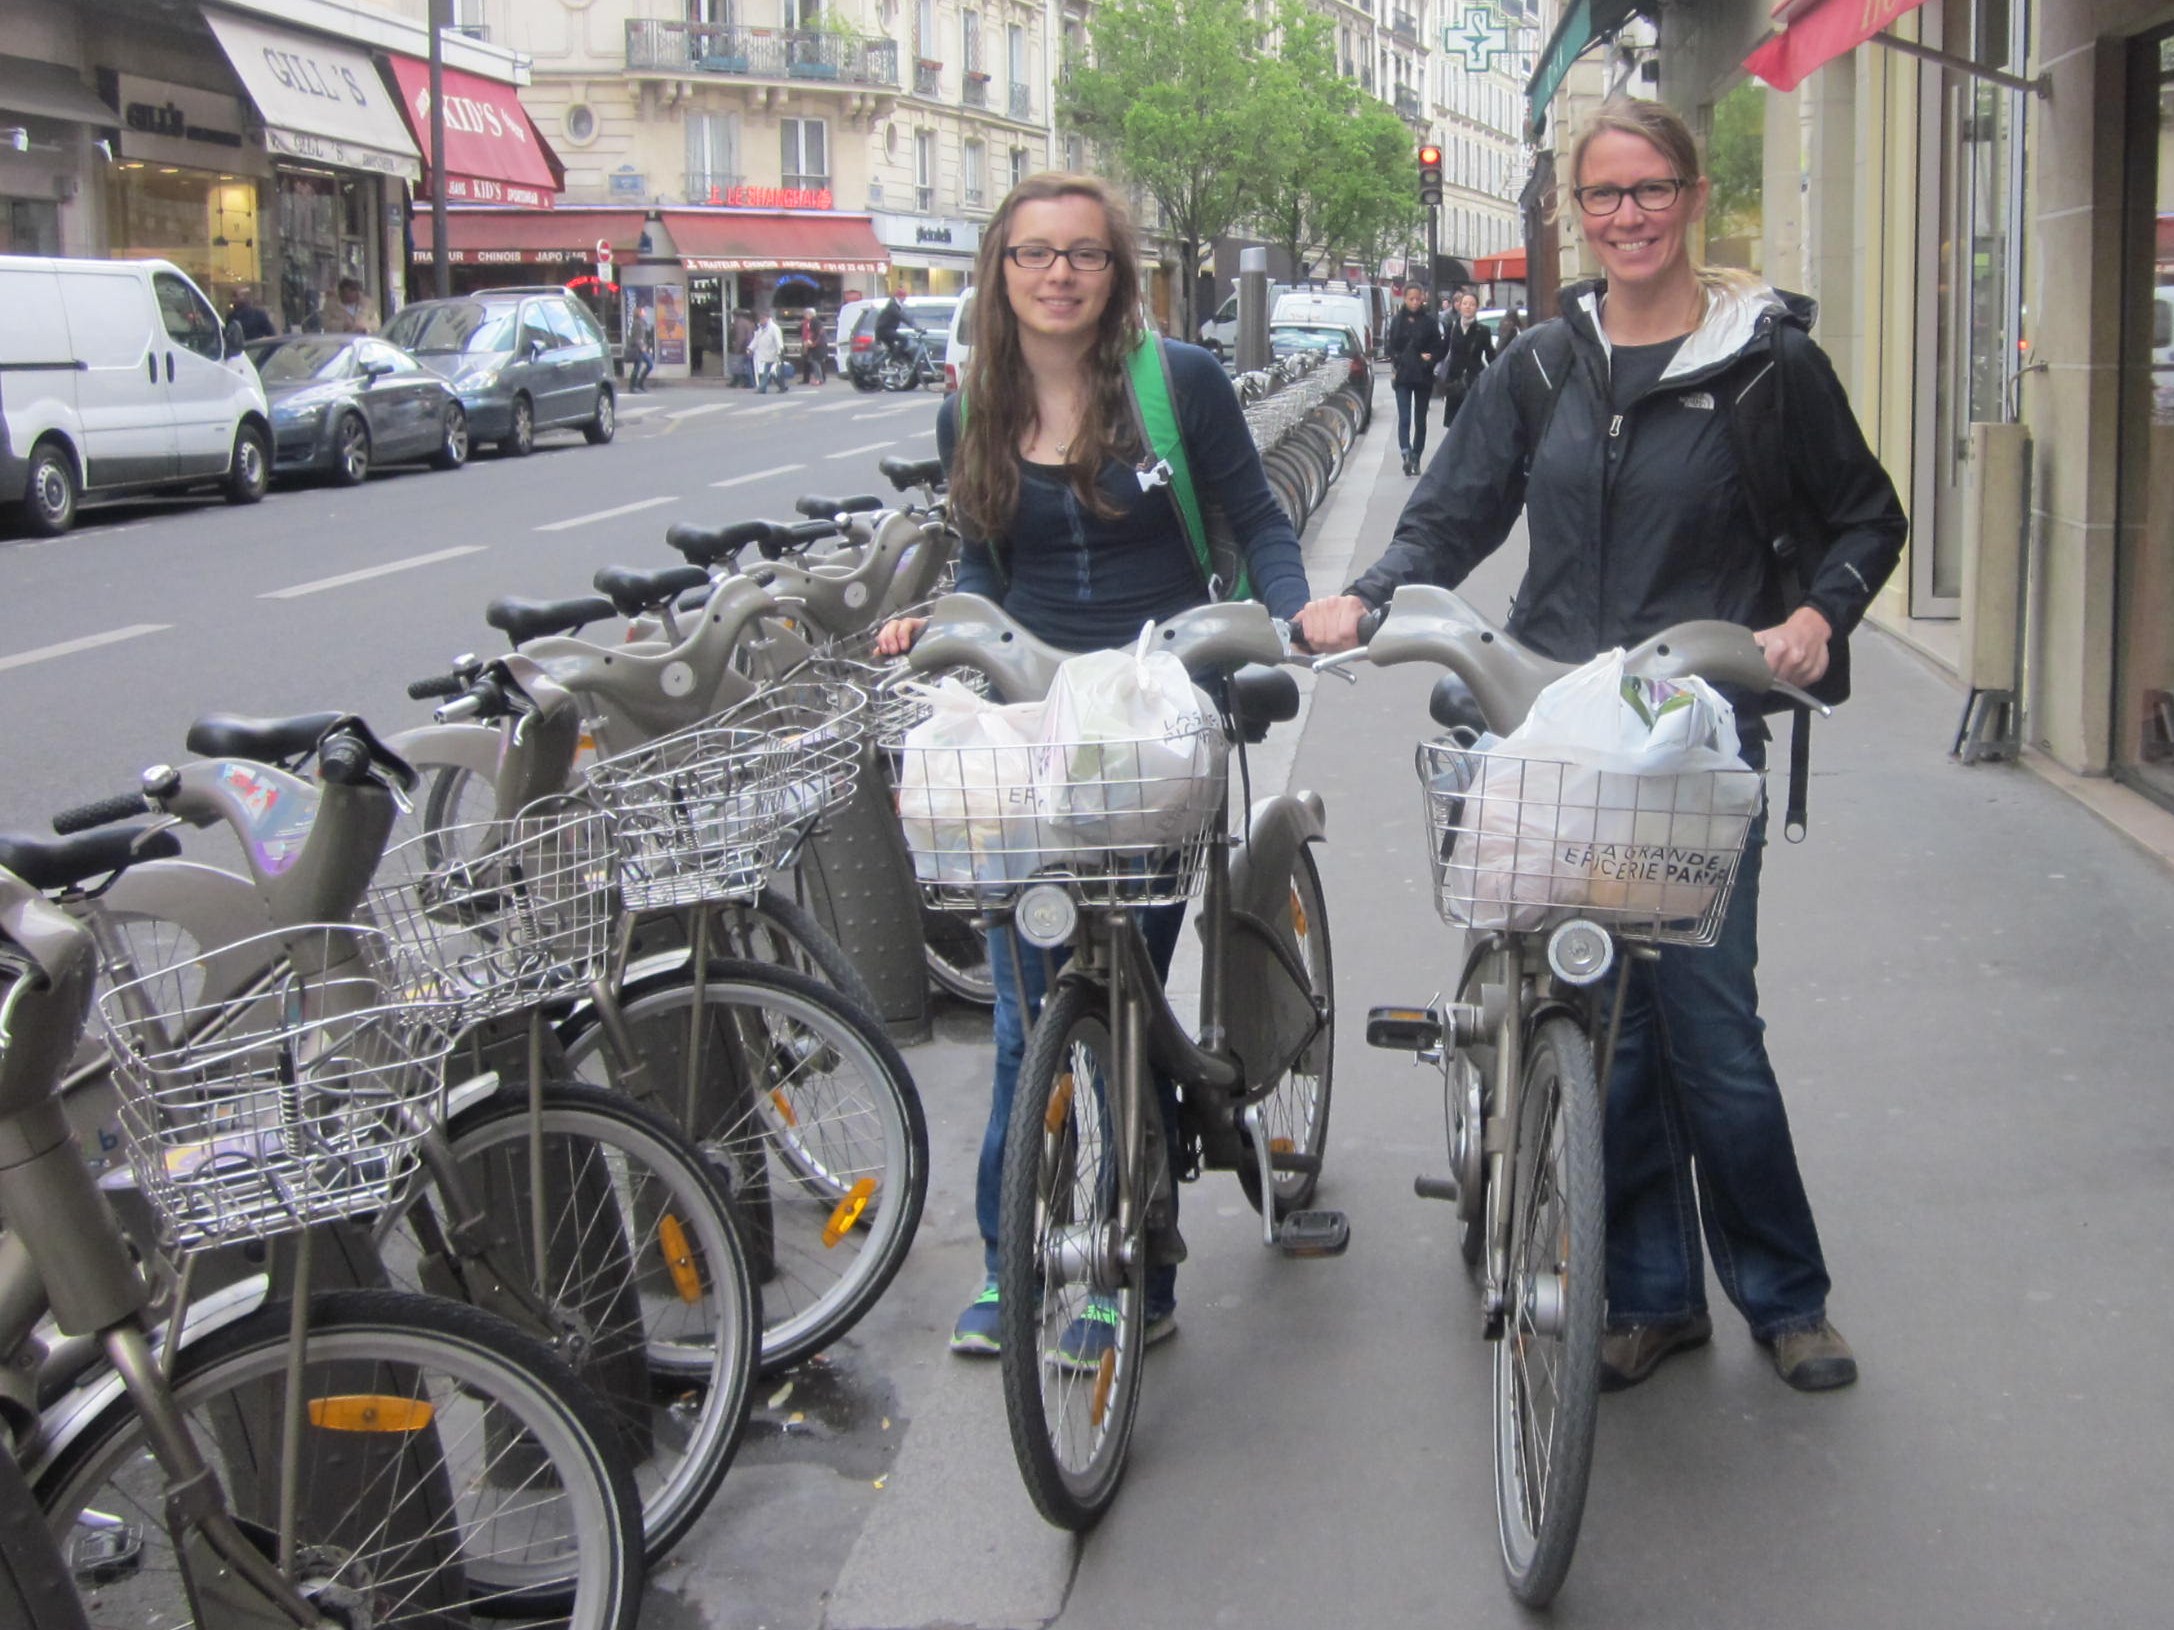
[(1133, 752), (970, 797)]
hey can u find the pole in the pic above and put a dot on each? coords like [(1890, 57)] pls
[(1434, 219), (441, 266)]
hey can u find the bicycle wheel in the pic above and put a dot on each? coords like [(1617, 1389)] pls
[(777, 929), (1295, 1115), (645, 1287), (958, 957), (1547, 1361), (36, 1592), (811, 1114), (1070, 1321), (450, 1466)]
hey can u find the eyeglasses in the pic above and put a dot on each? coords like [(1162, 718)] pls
[(1651, 196), (1039, 257)]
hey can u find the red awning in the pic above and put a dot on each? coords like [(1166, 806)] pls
[(493, 153), (1508, 267), (515, 237), (728, 241), (1815, 32)]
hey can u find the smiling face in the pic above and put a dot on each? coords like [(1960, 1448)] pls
[(1638, 246), (1060, 302)]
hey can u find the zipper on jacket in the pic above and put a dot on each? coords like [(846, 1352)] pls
[(1615, 427)]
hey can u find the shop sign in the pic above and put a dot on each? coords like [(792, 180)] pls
[(321, 101), (179, 124), (628, 182), (932, 234), (491, 148), (477, 189), (778, 197), (505, 257), (941, 236)]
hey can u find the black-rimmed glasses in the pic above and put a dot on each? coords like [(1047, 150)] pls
[(1650, 196), (1039, 257)]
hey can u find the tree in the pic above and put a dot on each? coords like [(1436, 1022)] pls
[(1736, 163)]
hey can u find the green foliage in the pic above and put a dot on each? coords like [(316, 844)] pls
[(1736, 162)]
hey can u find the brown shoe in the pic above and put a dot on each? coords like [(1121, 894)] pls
[(1630, 1354), (1814, 1360)]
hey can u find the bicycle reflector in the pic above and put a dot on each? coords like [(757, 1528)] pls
[(1580, 952), (1430, 175)]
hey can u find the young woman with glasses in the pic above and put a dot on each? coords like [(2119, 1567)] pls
[(1059, 530), (1638, 518)]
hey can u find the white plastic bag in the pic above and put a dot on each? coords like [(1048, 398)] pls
[(1133, 753), (970, 798), (1620, 796)]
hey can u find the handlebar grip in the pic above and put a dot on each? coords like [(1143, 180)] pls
[(423, 690), (104, 812), (343, 759), (1370, 624)]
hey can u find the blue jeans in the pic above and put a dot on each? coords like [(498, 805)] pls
[(1159, 927), (1696, 1134), (1411, 418)]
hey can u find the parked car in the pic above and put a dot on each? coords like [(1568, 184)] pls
[(931, 313), (521, 360), (1315, 306), (1220, 332), (118, 379), (342, 404), (959, 347), (1286, 339)]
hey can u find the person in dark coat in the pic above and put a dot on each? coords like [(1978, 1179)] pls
[(249, 319), (1639, 517), (1414, 346), (1467, 348)]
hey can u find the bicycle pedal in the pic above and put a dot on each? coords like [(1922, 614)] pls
[(1403, 1029), (1290, 1160), (1314, 1233)]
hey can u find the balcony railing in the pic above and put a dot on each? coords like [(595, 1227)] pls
[(759, 53), (711, 187), (975, 92), (1022, 102), (1404, 26), (927, 78), (1407, 102)]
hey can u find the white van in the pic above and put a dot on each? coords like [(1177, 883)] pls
[(1314, 308), (115, 377), (959, 344)]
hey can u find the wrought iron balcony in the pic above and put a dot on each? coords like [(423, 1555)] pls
[(662, 46), (1404, 27), (1407, 102), (975, 92), (927, 78)]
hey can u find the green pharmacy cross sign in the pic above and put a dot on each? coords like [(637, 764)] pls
[(1479, 39)]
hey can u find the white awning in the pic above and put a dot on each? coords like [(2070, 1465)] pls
[(48, 90), (320, 101)]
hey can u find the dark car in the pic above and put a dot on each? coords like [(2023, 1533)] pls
[(343, 403), (521, 361), (1336, 340)]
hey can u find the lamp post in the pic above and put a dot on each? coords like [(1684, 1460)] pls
[(441, 265)]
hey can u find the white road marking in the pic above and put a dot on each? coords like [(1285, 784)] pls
[(769, 407), (571, 522), (890, 413), (855, 452), (918, 434), (757, 475), (368, 572), (834, 407), (699, 409), (640, 410), (89, 642)]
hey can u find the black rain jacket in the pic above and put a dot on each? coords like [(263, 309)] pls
[(1414, 346), (1639, 520)]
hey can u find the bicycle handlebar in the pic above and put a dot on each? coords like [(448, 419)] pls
[(423, 690), (103, 812)]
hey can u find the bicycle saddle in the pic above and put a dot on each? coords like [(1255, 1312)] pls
[(262, 741), (61, 863), (822, 509), (911, 472), (713, 545), (522, 620), (634, 590)]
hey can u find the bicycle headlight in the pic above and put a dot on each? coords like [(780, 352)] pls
[(1580, 952), (1046, 915)]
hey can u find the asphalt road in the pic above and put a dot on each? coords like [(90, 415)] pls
[(1964, 978)]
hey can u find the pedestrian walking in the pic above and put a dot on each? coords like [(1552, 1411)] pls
[(1059, 529), (641, 349), (1512, 325), (811, 347), (1639, 515), (1414, 346), (737, 360), (1467, 347), (766, 349)]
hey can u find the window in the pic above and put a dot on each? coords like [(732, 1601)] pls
[(976, 164), (924, 31), (377, 354), (565, 328), (1019, 171), (1075, 154), (713, 155), (801, 13), (970, 41), (189, 320), (806, 153), (924, 170), (581, 124), (716, 13)]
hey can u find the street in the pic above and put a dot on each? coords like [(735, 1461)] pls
[(1962, 980)]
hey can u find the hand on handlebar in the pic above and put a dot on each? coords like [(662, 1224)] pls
[(1796, 650), (898, 635), (1332, 625)]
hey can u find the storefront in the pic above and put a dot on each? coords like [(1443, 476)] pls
[(188, 185), (929, 254), (42, 181), (731, 260), (341, 160), (493, 152), (497, 249)]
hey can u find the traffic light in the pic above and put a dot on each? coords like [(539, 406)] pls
[(1430, 175)]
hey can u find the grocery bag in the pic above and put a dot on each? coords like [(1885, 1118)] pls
[(970, 798), (1133, 752), (1618, 796)]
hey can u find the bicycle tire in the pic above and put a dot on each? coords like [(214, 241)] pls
[(1071, 1440), (514, 1399), (777, 929), (663, 1322), (958, 957), (776, 1047), (1295, 1114), (37, 1592), (1556, 1304)]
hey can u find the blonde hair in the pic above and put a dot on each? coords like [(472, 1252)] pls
[(1663, 129)]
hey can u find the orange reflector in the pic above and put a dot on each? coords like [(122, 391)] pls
[(679, 1259), (1060, 1097), (777, 1094), (1105, 1372), (369, 1412), (1298, 906), (1276, 1146), (849, 1211)]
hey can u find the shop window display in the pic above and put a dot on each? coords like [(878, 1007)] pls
[(206, 224)]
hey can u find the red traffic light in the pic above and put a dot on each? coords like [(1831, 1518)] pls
[(1430, 175), (1430, 156)]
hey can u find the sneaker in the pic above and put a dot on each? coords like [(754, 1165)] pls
[(1814, 1360), (976, 1332), (1629, 1354), (1091, 1335)]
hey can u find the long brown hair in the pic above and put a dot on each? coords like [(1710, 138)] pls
[(1663, 128), (999, 406)]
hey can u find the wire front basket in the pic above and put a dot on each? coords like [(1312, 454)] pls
[(1520, 843), (297, 1100), (509, 913), (705, 813), (901, 698), (1126, 823)]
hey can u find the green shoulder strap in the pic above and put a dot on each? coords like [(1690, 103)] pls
[(1154, 405)]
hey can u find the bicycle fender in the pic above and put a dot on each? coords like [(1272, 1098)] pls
[(72, 1414), (450, 747), (1269, 1014)]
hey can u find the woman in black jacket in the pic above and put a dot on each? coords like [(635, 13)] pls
[(1468, 348), (1640, 517), (1414, 346)]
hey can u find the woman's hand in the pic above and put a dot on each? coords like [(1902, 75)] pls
[(1332, 625), (898, 635), (1796, 651)]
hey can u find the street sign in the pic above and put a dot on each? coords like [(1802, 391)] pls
[(603, 254)]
